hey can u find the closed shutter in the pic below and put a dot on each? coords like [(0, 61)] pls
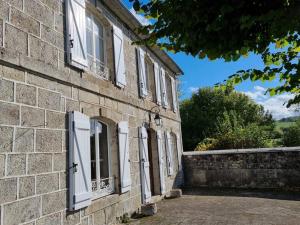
[(174, 94), (163, 88), (76, 33), (145, 165), (119, 57), (124, 156), (161, 162), (169, 152), (157, 83), (142, 73), (79, 161)]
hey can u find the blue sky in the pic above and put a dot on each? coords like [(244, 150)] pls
[(200, 73)]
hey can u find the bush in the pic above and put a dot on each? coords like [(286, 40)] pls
[(233, 134), (291, 135), (202, 114)]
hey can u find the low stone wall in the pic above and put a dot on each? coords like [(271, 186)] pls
[(251, 168)]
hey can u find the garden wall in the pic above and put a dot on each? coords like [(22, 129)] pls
[(251, 168)]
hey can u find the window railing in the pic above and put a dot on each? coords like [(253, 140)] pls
[(99, 69), (104, 187)]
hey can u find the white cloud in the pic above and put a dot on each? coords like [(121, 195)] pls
[(140, 18), (276, 105), (193, 89)]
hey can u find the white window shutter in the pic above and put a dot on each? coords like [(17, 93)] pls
[(79, 161), (169, 152), (76, 33), (179, 152), (142, 73), (174, 94), (145, 165), (124, 156), (163, 88), (119, 57), (157, 83), (161, 162)]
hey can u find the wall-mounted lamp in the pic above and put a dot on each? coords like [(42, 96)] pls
[(158, 120)]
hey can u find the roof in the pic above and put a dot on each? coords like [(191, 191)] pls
[(129, 19)]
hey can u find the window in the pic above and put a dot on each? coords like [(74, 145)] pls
[(95, 46), (102, 182)]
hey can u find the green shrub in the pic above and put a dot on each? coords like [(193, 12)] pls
[(233, 134), (291, 135)]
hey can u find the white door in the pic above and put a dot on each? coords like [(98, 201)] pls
[(161, 162), (145, 165)]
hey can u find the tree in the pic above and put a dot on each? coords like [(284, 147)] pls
[(203, 112), (291, 135), (230, 29)]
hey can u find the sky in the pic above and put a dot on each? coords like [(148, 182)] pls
[(200, 73)]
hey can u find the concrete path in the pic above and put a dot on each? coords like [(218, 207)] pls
[(227, 207)]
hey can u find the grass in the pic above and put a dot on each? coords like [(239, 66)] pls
[(280, 125)]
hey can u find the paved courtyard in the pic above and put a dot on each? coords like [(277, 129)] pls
[(227, 207)]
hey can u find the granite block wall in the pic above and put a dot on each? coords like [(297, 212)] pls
[(253, 168)]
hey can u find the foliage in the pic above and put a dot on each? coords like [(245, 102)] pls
[(291, 135), (233, 134), (230, 29), (202, 114)]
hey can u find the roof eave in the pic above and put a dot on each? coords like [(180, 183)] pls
[(117, 7)]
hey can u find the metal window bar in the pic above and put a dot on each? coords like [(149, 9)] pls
[(105, 186), (98, 68)]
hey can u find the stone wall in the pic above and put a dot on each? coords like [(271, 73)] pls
[(37, 90), (253, 168)]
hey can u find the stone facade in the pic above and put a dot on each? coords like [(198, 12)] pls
[(253, 168), (37, 90)]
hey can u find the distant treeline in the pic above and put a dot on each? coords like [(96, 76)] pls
[(290, 119)]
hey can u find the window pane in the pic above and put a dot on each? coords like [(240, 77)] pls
[(93, 158), (97, 47), (104, 159), (89, 42), (101, 50), (89, 23), (98, 29)]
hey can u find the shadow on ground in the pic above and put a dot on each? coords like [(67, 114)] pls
[(228, 207), (257, 193)]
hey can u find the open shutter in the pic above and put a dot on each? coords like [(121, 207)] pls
[(124, 156), (157, 83), (179, 152), (163, 88), (142, 73), (145, 165), (161, 162), (174, 94), (169, 152), (79, 161), (119, 57), (76, 33)]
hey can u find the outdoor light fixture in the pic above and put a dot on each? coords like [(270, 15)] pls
[(157, 120)]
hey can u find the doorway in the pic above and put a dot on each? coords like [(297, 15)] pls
[(155, 180)]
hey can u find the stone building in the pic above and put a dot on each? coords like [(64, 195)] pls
[(89, 123)]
